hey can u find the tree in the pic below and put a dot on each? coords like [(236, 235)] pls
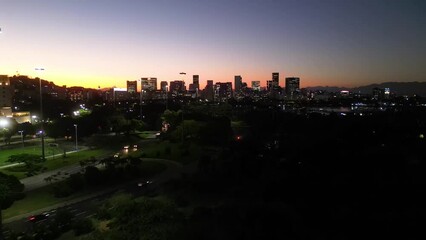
[(26, 128), (137, 125), (60, 127), (217, 131), (10, 190), (173, 118), (143, 219), (117, 123), (31, 161)]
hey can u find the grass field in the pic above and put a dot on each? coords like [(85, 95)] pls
[(35, 200), (33, 148), (43, 197), (59, 161)]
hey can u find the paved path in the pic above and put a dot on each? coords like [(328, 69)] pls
[(39, 181), (60, 174)]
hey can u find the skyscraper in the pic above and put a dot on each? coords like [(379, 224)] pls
[(177, 88), (209, 90), (292, 86), (275, 80), (132, 86), (196, 81), (238, 82), (222, 91), (5, 92), (269, 85), (163, 85), (149, 84)]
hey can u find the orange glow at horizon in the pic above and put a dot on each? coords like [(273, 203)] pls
[(95, 81)]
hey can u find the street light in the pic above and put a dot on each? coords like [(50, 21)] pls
[(167, 100), (76, 142), (140, 99), (183, 108), (41, 116), (141, 102), (22, 137), (3, 124)]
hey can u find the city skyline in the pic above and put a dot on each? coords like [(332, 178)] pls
[(106, 43)]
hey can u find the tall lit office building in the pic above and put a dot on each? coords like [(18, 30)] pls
[(196, 81), (222, 91), (177, 86), (269, 85), (387, 93), (163, 85), (255, 85), (292, 86), (195, 85), (5, 92), (275, 80), (119, 94), (238, 82), (132, 86), (149, 84), (209, 91)]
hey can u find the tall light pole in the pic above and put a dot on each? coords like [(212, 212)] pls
[(3, 124), (76, 137), (140, 100), (140, 104), (167, 100), (183, 106), (41, 117), (22, 137)]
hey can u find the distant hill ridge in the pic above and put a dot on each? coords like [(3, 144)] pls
[(399, 88)]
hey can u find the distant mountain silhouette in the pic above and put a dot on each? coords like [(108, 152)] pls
[(398, 88), (326, 88)]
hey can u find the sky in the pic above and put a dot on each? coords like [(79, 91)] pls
[(93, 43)]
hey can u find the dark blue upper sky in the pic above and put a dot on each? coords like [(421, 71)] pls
[(325, 42)]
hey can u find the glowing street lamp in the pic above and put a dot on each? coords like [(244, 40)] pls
[(76, 141), (167, 100), (3, 123), (22, 137), (140, 99)]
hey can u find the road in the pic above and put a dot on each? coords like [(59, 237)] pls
[(38, 181), (83, 206)]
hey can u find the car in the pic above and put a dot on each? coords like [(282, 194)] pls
[(38, 217), (141, 184)]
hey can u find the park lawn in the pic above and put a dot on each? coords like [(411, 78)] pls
[(59, 161), (187, 154), (73, 158), (30, 149), (5, 153), (35, 200), (43, 197), (146, 134)]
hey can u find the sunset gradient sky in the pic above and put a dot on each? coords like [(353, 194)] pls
[(103, 43)]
